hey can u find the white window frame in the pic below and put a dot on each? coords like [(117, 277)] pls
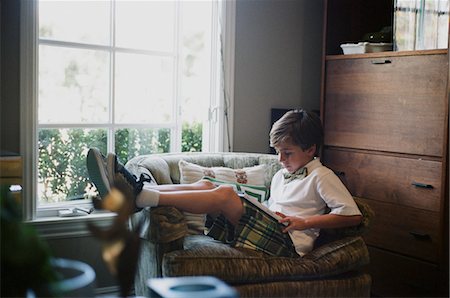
[(219, 131)]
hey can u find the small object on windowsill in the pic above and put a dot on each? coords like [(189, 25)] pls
[(73, 212), (365, 47), (85, 210)]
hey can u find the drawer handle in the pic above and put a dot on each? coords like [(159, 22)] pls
[(420, 235), (422, 185), (386, 61)]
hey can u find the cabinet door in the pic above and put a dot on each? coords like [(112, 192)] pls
[(408, 231), (397, 180), (398, 276), (395, 104)]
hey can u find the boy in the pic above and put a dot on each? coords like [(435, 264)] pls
[(300, 194)]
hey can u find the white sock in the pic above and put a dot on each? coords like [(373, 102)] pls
[(147, 198)]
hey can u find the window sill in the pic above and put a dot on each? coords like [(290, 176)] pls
[(84, 218), (54, 227)]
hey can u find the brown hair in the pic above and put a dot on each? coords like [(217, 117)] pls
[(300, 127)]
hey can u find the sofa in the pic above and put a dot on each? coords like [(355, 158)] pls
[(173, 246)]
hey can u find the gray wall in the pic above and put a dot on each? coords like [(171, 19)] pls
[(278, 62), (277, 65), (9, 77)]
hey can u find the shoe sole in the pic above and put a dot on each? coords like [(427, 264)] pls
[(111, 166), (97, 173)]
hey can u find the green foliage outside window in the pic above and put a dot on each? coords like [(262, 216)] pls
[(62, 173), (133, 142), (62, 161), (191, 137)]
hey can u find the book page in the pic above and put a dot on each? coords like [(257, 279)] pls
[(262, 207)]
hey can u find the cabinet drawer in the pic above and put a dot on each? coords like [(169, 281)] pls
[(395, 275), (388, 178), (408, 231), (398, 106), (10, 167)]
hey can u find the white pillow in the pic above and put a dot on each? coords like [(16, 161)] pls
[(258, 192), (190, 173)]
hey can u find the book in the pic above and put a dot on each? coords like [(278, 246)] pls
[(254, 194), (261, 207)]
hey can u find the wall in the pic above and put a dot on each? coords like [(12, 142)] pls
[(9, 77), (277, 65), (278, 48)]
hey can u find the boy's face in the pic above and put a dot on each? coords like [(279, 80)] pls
[(293, 157)]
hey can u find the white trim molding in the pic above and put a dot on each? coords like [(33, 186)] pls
[(228, 37), (28, 106), (57, 227)]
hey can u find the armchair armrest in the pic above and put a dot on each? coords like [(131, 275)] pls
[(329, 235), (163, 229), (167, 224), (341, 255)]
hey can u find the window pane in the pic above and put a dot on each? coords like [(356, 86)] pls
[(144, 89), (443, 20), (405, 25), (133, 142), (74, 79), (430, 26), (75, 21), (195, 81), (145, 25), (191, 137), (62, 171)]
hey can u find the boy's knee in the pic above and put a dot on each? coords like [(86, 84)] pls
[(205, 184), (226, 189), (226, 193), (231, 203)]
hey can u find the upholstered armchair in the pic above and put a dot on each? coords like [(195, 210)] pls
[(170, 248)]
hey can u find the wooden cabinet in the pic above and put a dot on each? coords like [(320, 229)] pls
[(385, 92), (11, 174), (385, 119)]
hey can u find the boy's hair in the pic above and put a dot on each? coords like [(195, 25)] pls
[(300, 127)]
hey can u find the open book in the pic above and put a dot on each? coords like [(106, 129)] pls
[(254, 194), (261, 206)]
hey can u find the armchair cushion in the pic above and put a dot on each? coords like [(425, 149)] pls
[(338, 251), (203, 255)]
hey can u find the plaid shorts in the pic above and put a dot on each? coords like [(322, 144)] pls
[(256, 230)]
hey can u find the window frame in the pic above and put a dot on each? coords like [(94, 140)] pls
[(218, 131)]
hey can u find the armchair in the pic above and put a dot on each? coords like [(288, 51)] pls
[(331, 269)]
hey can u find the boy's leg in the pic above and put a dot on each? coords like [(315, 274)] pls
[(105, 172), (220, 200), (209, 199), (199, 185)]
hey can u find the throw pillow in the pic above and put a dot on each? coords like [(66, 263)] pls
[(259, 192), (190, 173)]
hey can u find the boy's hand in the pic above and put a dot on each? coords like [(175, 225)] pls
[(294, 223)]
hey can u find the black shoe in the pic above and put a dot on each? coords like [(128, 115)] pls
[(107, 173)]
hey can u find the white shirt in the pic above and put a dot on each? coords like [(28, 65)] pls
[(308, 197)]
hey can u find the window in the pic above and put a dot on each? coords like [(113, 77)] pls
[(421, 24), (131, 77)]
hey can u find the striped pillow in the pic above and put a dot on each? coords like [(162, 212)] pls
[(259, 192)]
